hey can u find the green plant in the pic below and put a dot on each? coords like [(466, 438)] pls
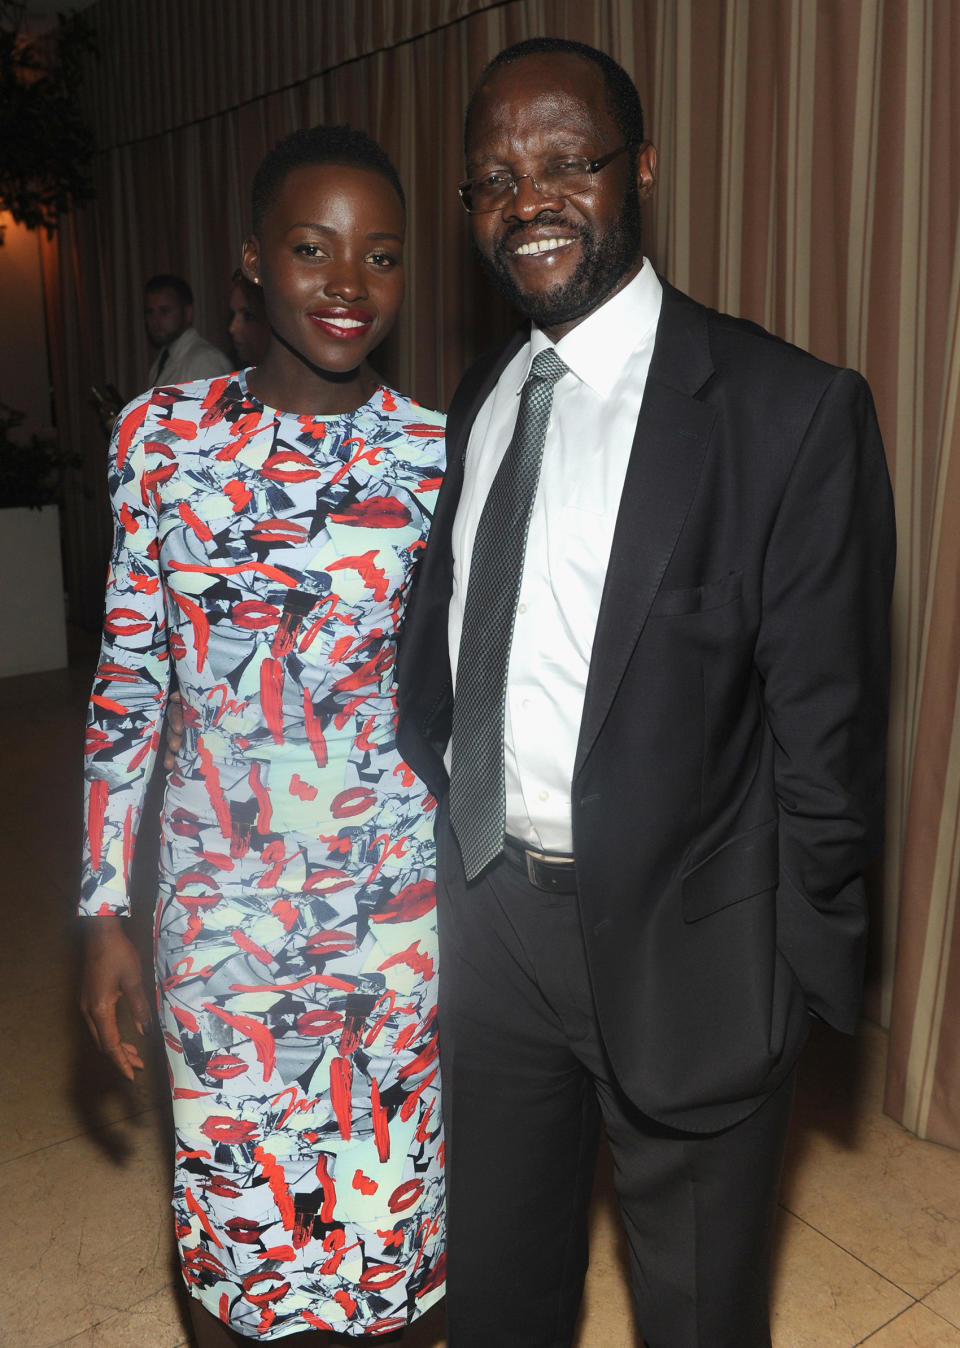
[(31, 471), (45, 145)]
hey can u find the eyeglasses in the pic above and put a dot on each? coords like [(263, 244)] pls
[(560, 178)]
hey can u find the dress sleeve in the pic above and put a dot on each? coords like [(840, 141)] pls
[(130, 686)]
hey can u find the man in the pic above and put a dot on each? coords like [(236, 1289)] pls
[(182, 353), (665, 751)]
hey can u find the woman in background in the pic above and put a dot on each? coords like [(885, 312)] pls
[(266, 527), (248, 328)]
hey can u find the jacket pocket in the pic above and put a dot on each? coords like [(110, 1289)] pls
[(742, 867), (671, 603)]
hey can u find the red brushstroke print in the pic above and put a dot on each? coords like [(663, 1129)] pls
[(99, 791), (374, 577), (252, 1029), (381, 1124), (341, 1082), (271, 696), (313, 726)]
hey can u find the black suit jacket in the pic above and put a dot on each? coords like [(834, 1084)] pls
[(728, 787)]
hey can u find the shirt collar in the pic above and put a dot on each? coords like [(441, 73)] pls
[(597, 349)]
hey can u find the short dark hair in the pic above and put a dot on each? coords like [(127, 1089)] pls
[(623, 101), (318, 145), (167, 281)]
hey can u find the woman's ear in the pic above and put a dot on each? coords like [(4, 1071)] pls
[(250, 259)]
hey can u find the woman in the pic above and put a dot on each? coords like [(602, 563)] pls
[(248, 326), (267, 553)]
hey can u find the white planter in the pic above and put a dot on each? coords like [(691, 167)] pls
[(33, 633)]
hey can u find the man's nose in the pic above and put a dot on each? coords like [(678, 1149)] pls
[(529, 199)]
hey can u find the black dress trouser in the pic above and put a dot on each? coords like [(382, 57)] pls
[(525, 1084)]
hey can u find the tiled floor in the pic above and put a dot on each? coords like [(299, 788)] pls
[(868, 1249)]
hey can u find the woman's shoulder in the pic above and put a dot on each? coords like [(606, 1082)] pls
[(408, 413), (172, 412)]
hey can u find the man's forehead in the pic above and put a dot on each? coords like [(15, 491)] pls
[(549, 82)]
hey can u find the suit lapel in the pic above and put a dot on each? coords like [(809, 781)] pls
[(669, 446)]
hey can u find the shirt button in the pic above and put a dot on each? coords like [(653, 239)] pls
[(525, 703), (544, 795), (521, 608)]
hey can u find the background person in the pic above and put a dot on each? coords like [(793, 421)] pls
[(182, 353), (658, 579), (267, 554), (248, 328)]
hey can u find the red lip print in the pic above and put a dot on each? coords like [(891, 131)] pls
[(405, 1195), (381, 1275), (408, 903), (319, 1022), (323, 943), (377, 512), (126, 622), (253, 614), (422, 428), (242, 1230), (220, 1128), (225, 1066), (326, 881), (289, 465), (355, 800), (278, 531), (224, 1188)]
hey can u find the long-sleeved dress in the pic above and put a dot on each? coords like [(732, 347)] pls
[(267, 555)]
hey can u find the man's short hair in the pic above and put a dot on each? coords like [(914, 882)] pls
[(167, 281), (344, 145), (623, 101)]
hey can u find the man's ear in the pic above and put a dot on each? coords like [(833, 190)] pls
[(188, 315), (646, 169), (250, 259)]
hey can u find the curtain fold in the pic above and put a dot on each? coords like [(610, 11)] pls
[(810, 180)]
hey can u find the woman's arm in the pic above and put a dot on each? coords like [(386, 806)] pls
[(126, 709)]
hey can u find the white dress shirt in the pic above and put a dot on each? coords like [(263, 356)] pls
[(585, 456), (191, 357)]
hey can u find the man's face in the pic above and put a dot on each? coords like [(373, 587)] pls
[(556, 259), (165, 317)]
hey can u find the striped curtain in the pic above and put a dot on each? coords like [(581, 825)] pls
[(810, 180)]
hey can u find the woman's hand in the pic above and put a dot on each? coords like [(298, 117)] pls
[(111, 969), (173, 731)]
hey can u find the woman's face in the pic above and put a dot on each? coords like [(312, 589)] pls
[(248, 329), (330, 259)]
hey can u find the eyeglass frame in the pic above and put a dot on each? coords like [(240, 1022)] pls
[(593, 166)]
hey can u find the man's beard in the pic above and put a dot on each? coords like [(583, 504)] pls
[(604, 262)]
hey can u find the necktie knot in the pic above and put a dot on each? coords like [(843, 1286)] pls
[(547, 366)]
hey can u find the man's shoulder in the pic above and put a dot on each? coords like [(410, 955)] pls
[(743, 349)]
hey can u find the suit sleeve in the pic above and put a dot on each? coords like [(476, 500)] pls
[(823, 656), (130, 685)]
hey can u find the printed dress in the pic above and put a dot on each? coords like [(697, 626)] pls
[(267, 555)]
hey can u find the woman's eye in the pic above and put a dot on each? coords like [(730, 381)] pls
[(384, 260), (308, 249)]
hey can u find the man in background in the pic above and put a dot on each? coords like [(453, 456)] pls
[(182, 353), (645, 673)]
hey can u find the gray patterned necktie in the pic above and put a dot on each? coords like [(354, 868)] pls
[(477, 799)]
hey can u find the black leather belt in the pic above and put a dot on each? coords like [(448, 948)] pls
[(545, 870)]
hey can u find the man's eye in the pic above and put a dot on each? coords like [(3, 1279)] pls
[(566, 168), (494, 181)]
